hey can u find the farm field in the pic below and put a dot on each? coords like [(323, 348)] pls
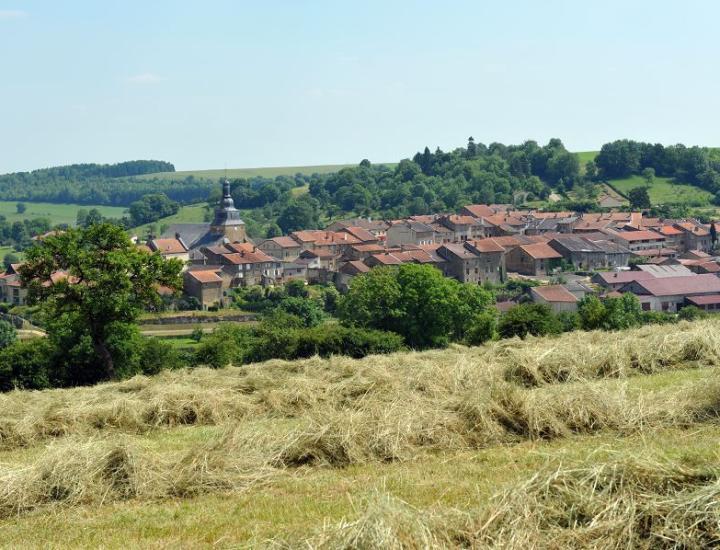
[(664, 191), (516, 444), (191, 213), (56, 213)]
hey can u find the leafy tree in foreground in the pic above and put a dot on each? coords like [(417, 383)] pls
[(97, 282)]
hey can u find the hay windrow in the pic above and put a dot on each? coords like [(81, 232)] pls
[(636, 502), (280, 389)]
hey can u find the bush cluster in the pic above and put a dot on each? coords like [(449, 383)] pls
[(283, 337)]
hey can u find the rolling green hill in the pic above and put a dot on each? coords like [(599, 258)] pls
[(589, 440), (268, 172), (56, 213)]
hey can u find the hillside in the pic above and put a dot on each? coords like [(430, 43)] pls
[(234, 173), (586, 440)]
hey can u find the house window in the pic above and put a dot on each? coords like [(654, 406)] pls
[(665, 306), (646, 306)]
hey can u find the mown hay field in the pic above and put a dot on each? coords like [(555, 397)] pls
[(584, 440)]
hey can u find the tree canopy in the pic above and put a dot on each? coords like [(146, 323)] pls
[(92, 284), (415, 301)]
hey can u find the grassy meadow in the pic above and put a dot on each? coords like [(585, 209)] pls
[(585, 440), (56, 213), (192, 213), (665, 191)]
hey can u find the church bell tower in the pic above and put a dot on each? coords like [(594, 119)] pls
[(227, 220)]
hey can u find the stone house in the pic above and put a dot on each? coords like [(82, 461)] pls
[(532, 259), (410, 232), (206, 285), (671, 293), (557, 297), (464, 228), (589, 255), (286, 249)]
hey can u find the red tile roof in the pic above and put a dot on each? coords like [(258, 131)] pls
[(285, 242), (541, 251), (479, 210), (554, 293), (670, 230), (677, 286), (244, 257), (621, 277), (359, 233), (168, 246), (487, 245), (645, 235), (205, 276), (704, 300)]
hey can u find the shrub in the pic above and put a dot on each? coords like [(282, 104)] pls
[(569, 321), (524, 319), (8, 334), (307, 310), (297, 289), (227, 345), (482, 329), (691, 313), (26, 365), (157, 355)]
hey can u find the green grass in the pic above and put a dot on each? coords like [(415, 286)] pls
[(56, 213), (192, 213), (267, 172), (664, 191), (586, 156)]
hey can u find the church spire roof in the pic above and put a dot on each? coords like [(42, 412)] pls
[(226, 214)]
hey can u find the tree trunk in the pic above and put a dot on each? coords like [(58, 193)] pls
[(106, 359)]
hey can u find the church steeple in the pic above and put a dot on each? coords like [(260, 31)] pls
[(227, 220)]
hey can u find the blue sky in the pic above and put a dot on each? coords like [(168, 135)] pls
[(244, 84)]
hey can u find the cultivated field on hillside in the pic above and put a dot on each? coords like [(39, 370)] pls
[(584, 440), (665, 191), (232, 173), (56, 213)]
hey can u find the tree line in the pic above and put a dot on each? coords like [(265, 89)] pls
[(699, 166)]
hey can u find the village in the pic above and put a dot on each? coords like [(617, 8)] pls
[(667, 264)]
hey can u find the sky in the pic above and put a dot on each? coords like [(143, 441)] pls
[(239, 83)]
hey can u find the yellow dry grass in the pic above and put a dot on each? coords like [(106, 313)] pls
[(202, 432)]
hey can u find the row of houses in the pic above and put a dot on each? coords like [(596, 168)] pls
[(481, 243)]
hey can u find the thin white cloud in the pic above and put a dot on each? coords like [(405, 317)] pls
[(12, 14), (144, 78)]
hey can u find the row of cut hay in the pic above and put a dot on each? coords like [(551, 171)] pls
[(100, 471), (92, 471), (308, 388), (631, 503), (499, 415), (582, 355)]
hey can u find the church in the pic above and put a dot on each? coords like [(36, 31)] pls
[(226, 227)]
